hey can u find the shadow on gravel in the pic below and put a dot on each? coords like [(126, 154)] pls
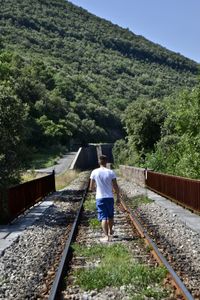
[(64, 209), (68, 195), (54, 217)]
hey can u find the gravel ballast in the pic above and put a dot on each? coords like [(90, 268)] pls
[(24, 265)]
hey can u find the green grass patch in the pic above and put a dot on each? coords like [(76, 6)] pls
[(94, 223), (45, 158), (139, 200), (95, 251), (148, 248), (90, 203), (117, 268)]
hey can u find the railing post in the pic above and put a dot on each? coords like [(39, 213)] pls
[(145, 174), (54, 182)]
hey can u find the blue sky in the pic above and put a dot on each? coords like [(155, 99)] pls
[(174, 24)]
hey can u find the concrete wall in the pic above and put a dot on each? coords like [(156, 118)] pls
[(106, 149), (136, 175), (86, 158)]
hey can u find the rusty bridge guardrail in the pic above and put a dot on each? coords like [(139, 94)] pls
[(184, 191), (17, 199)]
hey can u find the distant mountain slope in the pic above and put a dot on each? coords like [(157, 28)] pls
[(83, 68)]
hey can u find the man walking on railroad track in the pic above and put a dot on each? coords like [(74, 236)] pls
[(105, 181)]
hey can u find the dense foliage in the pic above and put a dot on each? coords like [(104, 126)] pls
[(174, 147), (143, 120), (12, 116), (75, 74), (178, 150)]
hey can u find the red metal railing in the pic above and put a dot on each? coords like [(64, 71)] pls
[(183, 190), (21, 197)]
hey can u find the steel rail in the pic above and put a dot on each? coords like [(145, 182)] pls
[(55, 289), (181, 288)]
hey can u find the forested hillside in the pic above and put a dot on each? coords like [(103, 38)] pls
[(73, 74)]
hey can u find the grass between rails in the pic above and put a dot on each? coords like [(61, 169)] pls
[(90, 202), (94, 223), (117, 268), (90, 205)]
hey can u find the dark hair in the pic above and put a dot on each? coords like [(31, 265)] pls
[(103, 159)]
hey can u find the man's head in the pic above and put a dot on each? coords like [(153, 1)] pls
[(103, 160)]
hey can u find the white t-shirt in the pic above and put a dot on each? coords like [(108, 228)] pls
[(103, 178)]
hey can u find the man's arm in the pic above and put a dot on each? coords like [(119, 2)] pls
[(116, 189), (92, 185)]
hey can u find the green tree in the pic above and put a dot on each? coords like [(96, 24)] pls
[(120, 152), (178, 151), (12, 120), (90, 132), (143, 120)]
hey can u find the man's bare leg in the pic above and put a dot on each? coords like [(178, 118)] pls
[(104, 224), (110, 226), (107, 226)]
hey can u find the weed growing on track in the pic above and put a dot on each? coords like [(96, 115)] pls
[(117, 268), (94, 223), (98, 250), (148, 248), (90, 203)]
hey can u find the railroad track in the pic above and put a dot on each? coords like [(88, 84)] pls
[(31, 268), (84, 262), (177, 260), (77, 198), (28, 266), (181, 290)]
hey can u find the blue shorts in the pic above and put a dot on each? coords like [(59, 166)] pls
[(105, 208)]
